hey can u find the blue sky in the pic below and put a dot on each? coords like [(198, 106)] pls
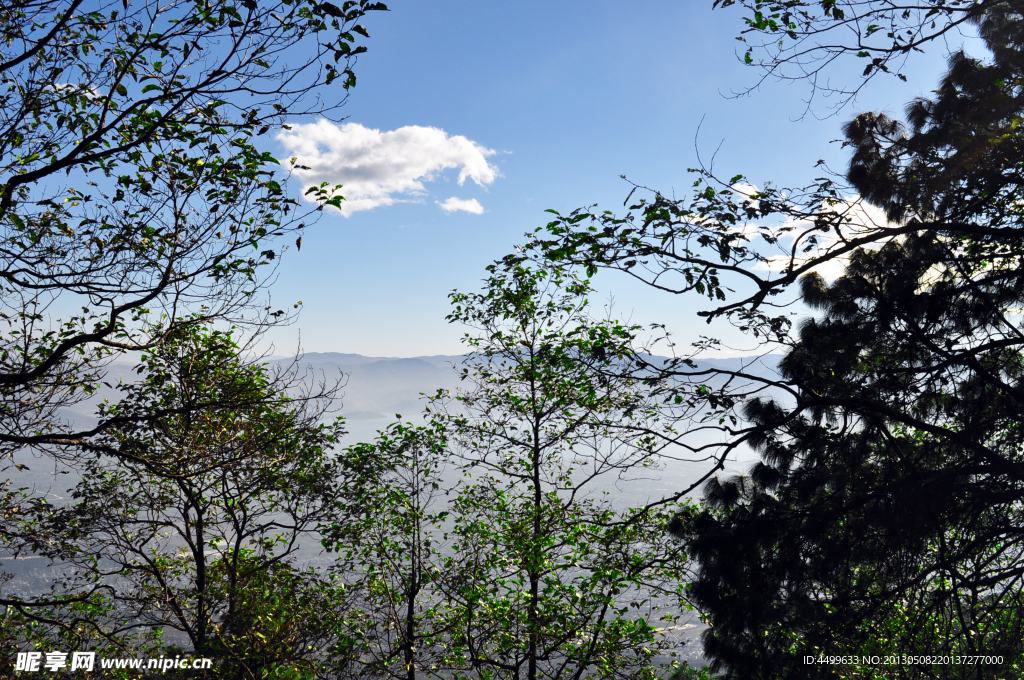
[(542, 105)]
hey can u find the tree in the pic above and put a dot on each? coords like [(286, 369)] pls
[(884, 517), (394, 549), (526, 567), (545, 570), (287, 622), (870, 534), (132, 186), (185, 533)]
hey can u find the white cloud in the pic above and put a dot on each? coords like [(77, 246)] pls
[(858, 219), (470, 206), (746, 190), (380, 168)]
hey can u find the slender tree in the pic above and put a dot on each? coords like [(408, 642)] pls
[(548, 576), (393, 550)]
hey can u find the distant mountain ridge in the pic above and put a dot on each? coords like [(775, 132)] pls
[(379, 387), (341, 358)]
